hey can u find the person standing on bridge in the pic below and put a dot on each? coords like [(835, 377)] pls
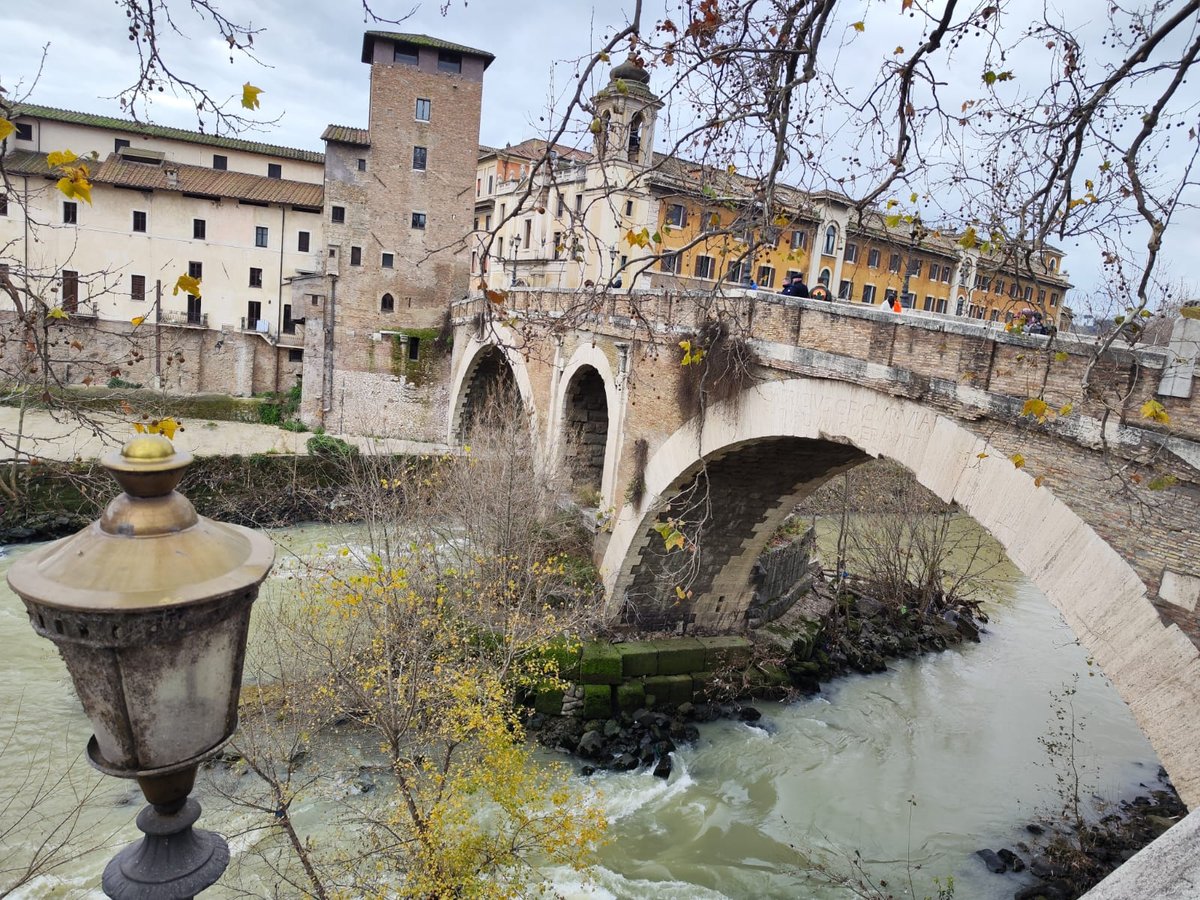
[(796, 287)]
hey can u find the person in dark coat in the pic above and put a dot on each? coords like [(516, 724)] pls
[(796, 287)]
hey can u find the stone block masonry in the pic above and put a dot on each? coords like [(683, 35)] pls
[(1096, 503)]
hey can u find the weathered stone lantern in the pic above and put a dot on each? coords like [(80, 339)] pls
[(150, 608)]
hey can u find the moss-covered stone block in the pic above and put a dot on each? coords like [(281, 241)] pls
[(679, 656), (725, 652), (668, 690), (638, 658), (565, 658), (548, 700), (702, 685), (597, 701), (600, 664), (631, 696), (766, 678)]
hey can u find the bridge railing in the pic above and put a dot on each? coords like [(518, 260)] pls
[(965, 352)]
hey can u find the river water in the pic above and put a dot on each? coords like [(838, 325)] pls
[(911, 770)]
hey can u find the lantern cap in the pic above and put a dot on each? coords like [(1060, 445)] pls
[(149, 550)]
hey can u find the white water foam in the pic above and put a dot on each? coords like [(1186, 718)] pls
[(625, 793)]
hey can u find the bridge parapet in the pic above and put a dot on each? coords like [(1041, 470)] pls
[(975, 355)]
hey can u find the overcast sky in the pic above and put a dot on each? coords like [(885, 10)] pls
[(311, 72)]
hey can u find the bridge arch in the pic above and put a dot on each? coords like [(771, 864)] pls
[(588, 404), (784, 438), (486, 366)]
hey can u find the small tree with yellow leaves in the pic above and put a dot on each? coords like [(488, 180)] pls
[(420, 643)]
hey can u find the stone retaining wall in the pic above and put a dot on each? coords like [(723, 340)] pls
[(612, 678)]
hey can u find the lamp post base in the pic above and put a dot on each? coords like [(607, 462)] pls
[(172, 862)]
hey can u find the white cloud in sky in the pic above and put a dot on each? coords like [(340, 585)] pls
[(311, 73)]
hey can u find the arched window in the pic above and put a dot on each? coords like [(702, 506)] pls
[(1053, 264), (635, 137), (826, 276), (387, 303), (830, 240), (962, 302)]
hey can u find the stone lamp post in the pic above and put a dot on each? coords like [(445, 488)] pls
[(149, 608)]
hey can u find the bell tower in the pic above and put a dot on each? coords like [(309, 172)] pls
[(626, 113)]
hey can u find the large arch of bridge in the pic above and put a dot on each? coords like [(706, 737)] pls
[(815, 428)]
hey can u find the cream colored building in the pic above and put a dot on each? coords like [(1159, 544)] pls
[(243, 217)]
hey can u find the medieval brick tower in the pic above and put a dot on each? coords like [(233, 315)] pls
[(398, 208)]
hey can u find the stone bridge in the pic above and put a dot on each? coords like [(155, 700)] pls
[(1098, 504)]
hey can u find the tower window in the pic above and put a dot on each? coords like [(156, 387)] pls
[(424, 107), (221, 163), (420, 156), (418, 220), (406, 55), (274, 170), (387, 303), (450, 62), (337, 214)]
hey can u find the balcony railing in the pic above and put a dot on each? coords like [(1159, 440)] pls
[(258, 326), (178, 317)]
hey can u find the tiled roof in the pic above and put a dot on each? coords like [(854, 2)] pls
[(344, 134), (27, 162), (187, 179), (424, 40), (128, 126), (535, 148)]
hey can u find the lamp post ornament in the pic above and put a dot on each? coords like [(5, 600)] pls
[(150, 609)]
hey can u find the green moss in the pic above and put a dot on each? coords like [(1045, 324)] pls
[(601, 664), (638, 658), (630, 696), (701, 685), (549, 700), (668, 690), (679, 656), (729, 652), (565, 657), (597, 701)]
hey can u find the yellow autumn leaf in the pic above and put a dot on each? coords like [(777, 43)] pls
[(188, 285), (1065, 409), (57, 158), (1035, 407), (137, 320), (1018, 460), (859, 26), (1037, 482), (1061, 356), (981, 456), (166, 427), (250, 95), (6, 128), (1155, 412), (139, 427), (75, 184), (57, 313)]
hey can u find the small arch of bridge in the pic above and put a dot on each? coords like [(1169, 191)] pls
[(777, 443), (486, 369), (585, 432)]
